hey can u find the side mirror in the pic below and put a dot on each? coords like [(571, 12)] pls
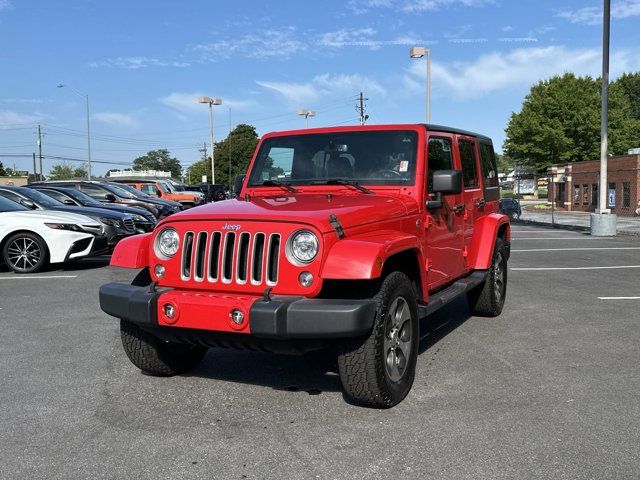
[(27, 203), (237, 184), (110, 197), (70, 202), (445, 182)]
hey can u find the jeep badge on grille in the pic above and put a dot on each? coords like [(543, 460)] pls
[(228, 226)]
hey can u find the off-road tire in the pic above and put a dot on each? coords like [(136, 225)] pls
[(487, 299), (155, 356), (362, 362), (33, 243)]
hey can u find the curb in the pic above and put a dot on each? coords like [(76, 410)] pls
[(575, 228)]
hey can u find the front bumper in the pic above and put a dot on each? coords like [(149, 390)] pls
[(281, 317)]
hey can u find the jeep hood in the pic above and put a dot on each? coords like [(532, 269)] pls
[(314, 209)]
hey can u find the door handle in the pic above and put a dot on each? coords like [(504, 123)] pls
[(458, 208), (480, 203)]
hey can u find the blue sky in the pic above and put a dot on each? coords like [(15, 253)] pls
[(144, 64)]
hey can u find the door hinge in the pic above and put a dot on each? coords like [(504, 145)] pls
[(429, 265), (465, 252)]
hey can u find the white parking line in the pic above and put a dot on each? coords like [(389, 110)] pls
[(572, 249), (36, 277), (618, 298), (522, 269)]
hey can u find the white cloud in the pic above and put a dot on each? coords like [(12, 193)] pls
[(263, 44), (9, 118), (116, 119), (346, 36), (134, 63), (5, 5), (322, 87), (6, 101), (412, 6), (592, 15), (185, 102), (518, 68)]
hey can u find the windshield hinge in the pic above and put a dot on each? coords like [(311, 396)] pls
[(335, 224)]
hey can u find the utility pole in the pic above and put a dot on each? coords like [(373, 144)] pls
[(360, 108), (40, 151), (34, 167), (602, 222)]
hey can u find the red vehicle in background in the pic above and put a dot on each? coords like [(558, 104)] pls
[(165, 190), (340, 239)]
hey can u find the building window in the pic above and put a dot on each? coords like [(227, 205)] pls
[(585, 195), (576, 194), (626, 194), (611, 197), (594, 194)]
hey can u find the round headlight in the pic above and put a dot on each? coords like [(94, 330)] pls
[(302, 247), (167, 243)]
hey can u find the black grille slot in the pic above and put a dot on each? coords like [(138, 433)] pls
[(129, 224), (257, 259), (186, 255), (201, 247), (243, 256), (214, 255), (272, 259), (227, 258)]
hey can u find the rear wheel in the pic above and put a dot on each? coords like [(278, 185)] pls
[(25, 253), (487, 300), (378, 370), (155, 356)]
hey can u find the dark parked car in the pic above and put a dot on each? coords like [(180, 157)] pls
[(115, 226), (105, 192), (510, 207), (143, 219), (212, 193)]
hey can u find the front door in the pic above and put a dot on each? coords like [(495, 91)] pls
[(444, 225)]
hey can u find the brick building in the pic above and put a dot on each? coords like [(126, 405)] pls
[(574, 186)]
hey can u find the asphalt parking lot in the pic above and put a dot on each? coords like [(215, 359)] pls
[(550, 389)]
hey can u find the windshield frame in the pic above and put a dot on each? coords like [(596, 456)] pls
[(255, 180)]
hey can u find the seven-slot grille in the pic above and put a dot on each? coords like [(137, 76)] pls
[(129, 224), (231, 257)]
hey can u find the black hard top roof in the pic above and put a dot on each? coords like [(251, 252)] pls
[(443, 128)]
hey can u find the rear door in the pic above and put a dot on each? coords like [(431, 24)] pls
[(444, 225), (473, 196)]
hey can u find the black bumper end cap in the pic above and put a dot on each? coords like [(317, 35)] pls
[(128, 302)]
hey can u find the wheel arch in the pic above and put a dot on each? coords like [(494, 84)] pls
[(9, 235), (485, 232)]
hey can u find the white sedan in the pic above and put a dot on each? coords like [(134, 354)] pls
[(31, 239)]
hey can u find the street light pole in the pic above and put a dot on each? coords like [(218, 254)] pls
[(603, 223), (86, 99), (211, 102), (419, 52), (306, 114)]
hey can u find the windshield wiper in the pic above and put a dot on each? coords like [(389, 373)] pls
[(340, 181), (276, 183)]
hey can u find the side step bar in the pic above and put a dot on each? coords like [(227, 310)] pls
[(441, 298)]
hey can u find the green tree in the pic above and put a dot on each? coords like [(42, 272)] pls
[(505, 164), (159, 160), (2, 170), (233, 152), (629, 83), (560, 122), (62, 171)]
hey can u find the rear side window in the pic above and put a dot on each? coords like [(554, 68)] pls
[(439, 157), (61, 197), (93, 191), (489, 172), (469, 166), (149, 189)]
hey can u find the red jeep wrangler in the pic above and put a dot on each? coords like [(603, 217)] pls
[(339, 239)]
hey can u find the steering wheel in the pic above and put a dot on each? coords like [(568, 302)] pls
[(388, 173)]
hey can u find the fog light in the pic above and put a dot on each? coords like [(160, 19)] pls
[(305, 279), (169, 310), (159, 271), (237, 316)]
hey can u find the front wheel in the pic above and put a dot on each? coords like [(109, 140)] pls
[(155, 356), (378, 370), (487, 299), (25, 253)]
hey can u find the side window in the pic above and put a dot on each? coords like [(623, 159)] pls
[(10, 195), (489, 172), (61, 197), (469, 166), (149, 189), (439, 157), (93, 191)]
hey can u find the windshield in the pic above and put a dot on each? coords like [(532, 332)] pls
[(41, 198), (371, 158), (119, 190), (7, 205), (165, 187)]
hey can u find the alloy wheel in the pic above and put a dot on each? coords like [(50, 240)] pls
[(24, 254), (397, 339)]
